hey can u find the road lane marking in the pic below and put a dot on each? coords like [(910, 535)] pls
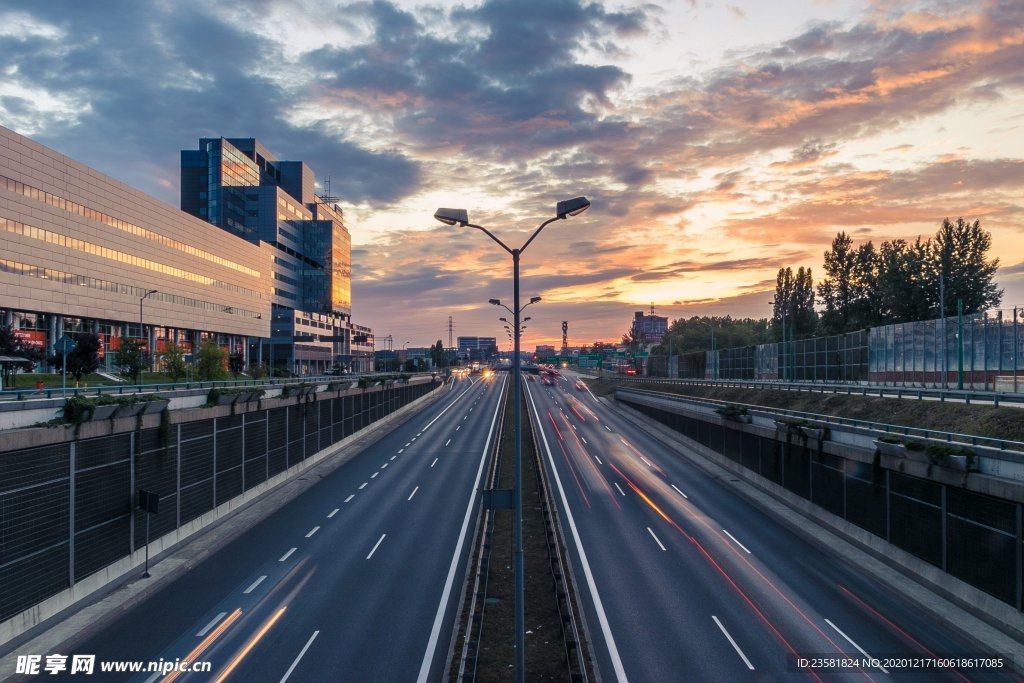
[(412, 439), (376, 545), (384, 466), (313, 531), (413, 493), (395, 456), (407, 445), (350, 497), (333, 512), (201, 647), (255, 583), (655, 538), (400, 450), (363, 485), (458, 427), (733, 643), (206, 629), (649, 464), (301, 652), (597, 458), (735, 541), (287, 555), (419, 434), (374, 475), (433, 463), (602, 618), (679, 492), (619, 487), (435, 631), (584, 441), (267, 625), (447, 442), (608, 428), (850, 640)]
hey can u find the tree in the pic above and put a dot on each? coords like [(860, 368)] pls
[(236, 363), (173, 359), (84, 359), (132, 357), (439, 355), (11, 345), (904, 289), (794, 295), (959, 254), (211, 362), (849, 286)]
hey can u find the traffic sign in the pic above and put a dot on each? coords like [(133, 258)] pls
[(64, 345)]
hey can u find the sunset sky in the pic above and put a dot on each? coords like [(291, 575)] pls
[(717, 141)]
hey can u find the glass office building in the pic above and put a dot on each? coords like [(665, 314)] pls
[(238, 185)]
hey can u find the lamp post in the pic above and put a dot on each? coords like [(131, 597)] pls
[(564, 209), (142, 330)]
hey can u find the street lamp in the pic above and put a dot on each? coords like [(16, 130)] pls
[(564, 209), (142, 330)]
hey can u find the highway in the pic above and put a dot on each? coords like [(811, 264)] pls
[(357, 579), (683, 579)]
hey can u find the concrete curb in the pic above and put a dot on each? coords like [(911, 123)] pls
[(990, 633), (62, 620)]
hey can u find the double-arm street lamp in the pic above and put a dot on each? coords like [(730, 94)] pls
[(564, 209)]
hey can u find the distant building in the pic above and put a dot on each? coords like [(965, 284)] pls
[(544, 351), (238, 185), (477, 348), (649, 329)]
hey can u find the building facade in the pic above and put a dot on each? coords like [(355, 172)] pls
[(83, 252), (477, 348), (239, 186), (649, 329)]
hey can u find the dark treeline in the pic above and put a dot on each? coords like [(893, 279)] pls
[(864, 286)]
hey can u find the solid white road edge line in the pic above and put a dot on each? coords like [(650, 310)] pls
[(735, 541), (602, 618), (301, 652), (850, 641), (733, 643), (435, 631)]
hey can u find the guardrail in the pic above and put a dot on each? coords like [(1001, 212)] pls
[(24, 394), (903, 430), (966, 396)]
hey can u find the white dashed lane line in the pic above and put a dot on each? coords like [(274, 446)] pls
[(433, 463), (379, 541), (363, 485), (313, 531), (350, 497), (255, 583), (287, 555), (333, 512), (413, 493)]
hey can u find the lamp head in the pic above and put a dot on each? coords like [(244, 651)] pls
[(494, 302), (534, 299), (527, 318), (572, 207), (452, 216), (504, 320)]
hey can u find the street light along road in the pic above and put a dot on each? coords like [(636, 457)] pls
[(564, 209)]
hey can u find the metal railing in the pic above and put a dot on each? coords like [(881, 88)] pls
[(903, 430)]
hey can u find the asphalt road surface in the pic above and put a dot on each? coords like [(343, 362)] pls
[(682, 579)]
